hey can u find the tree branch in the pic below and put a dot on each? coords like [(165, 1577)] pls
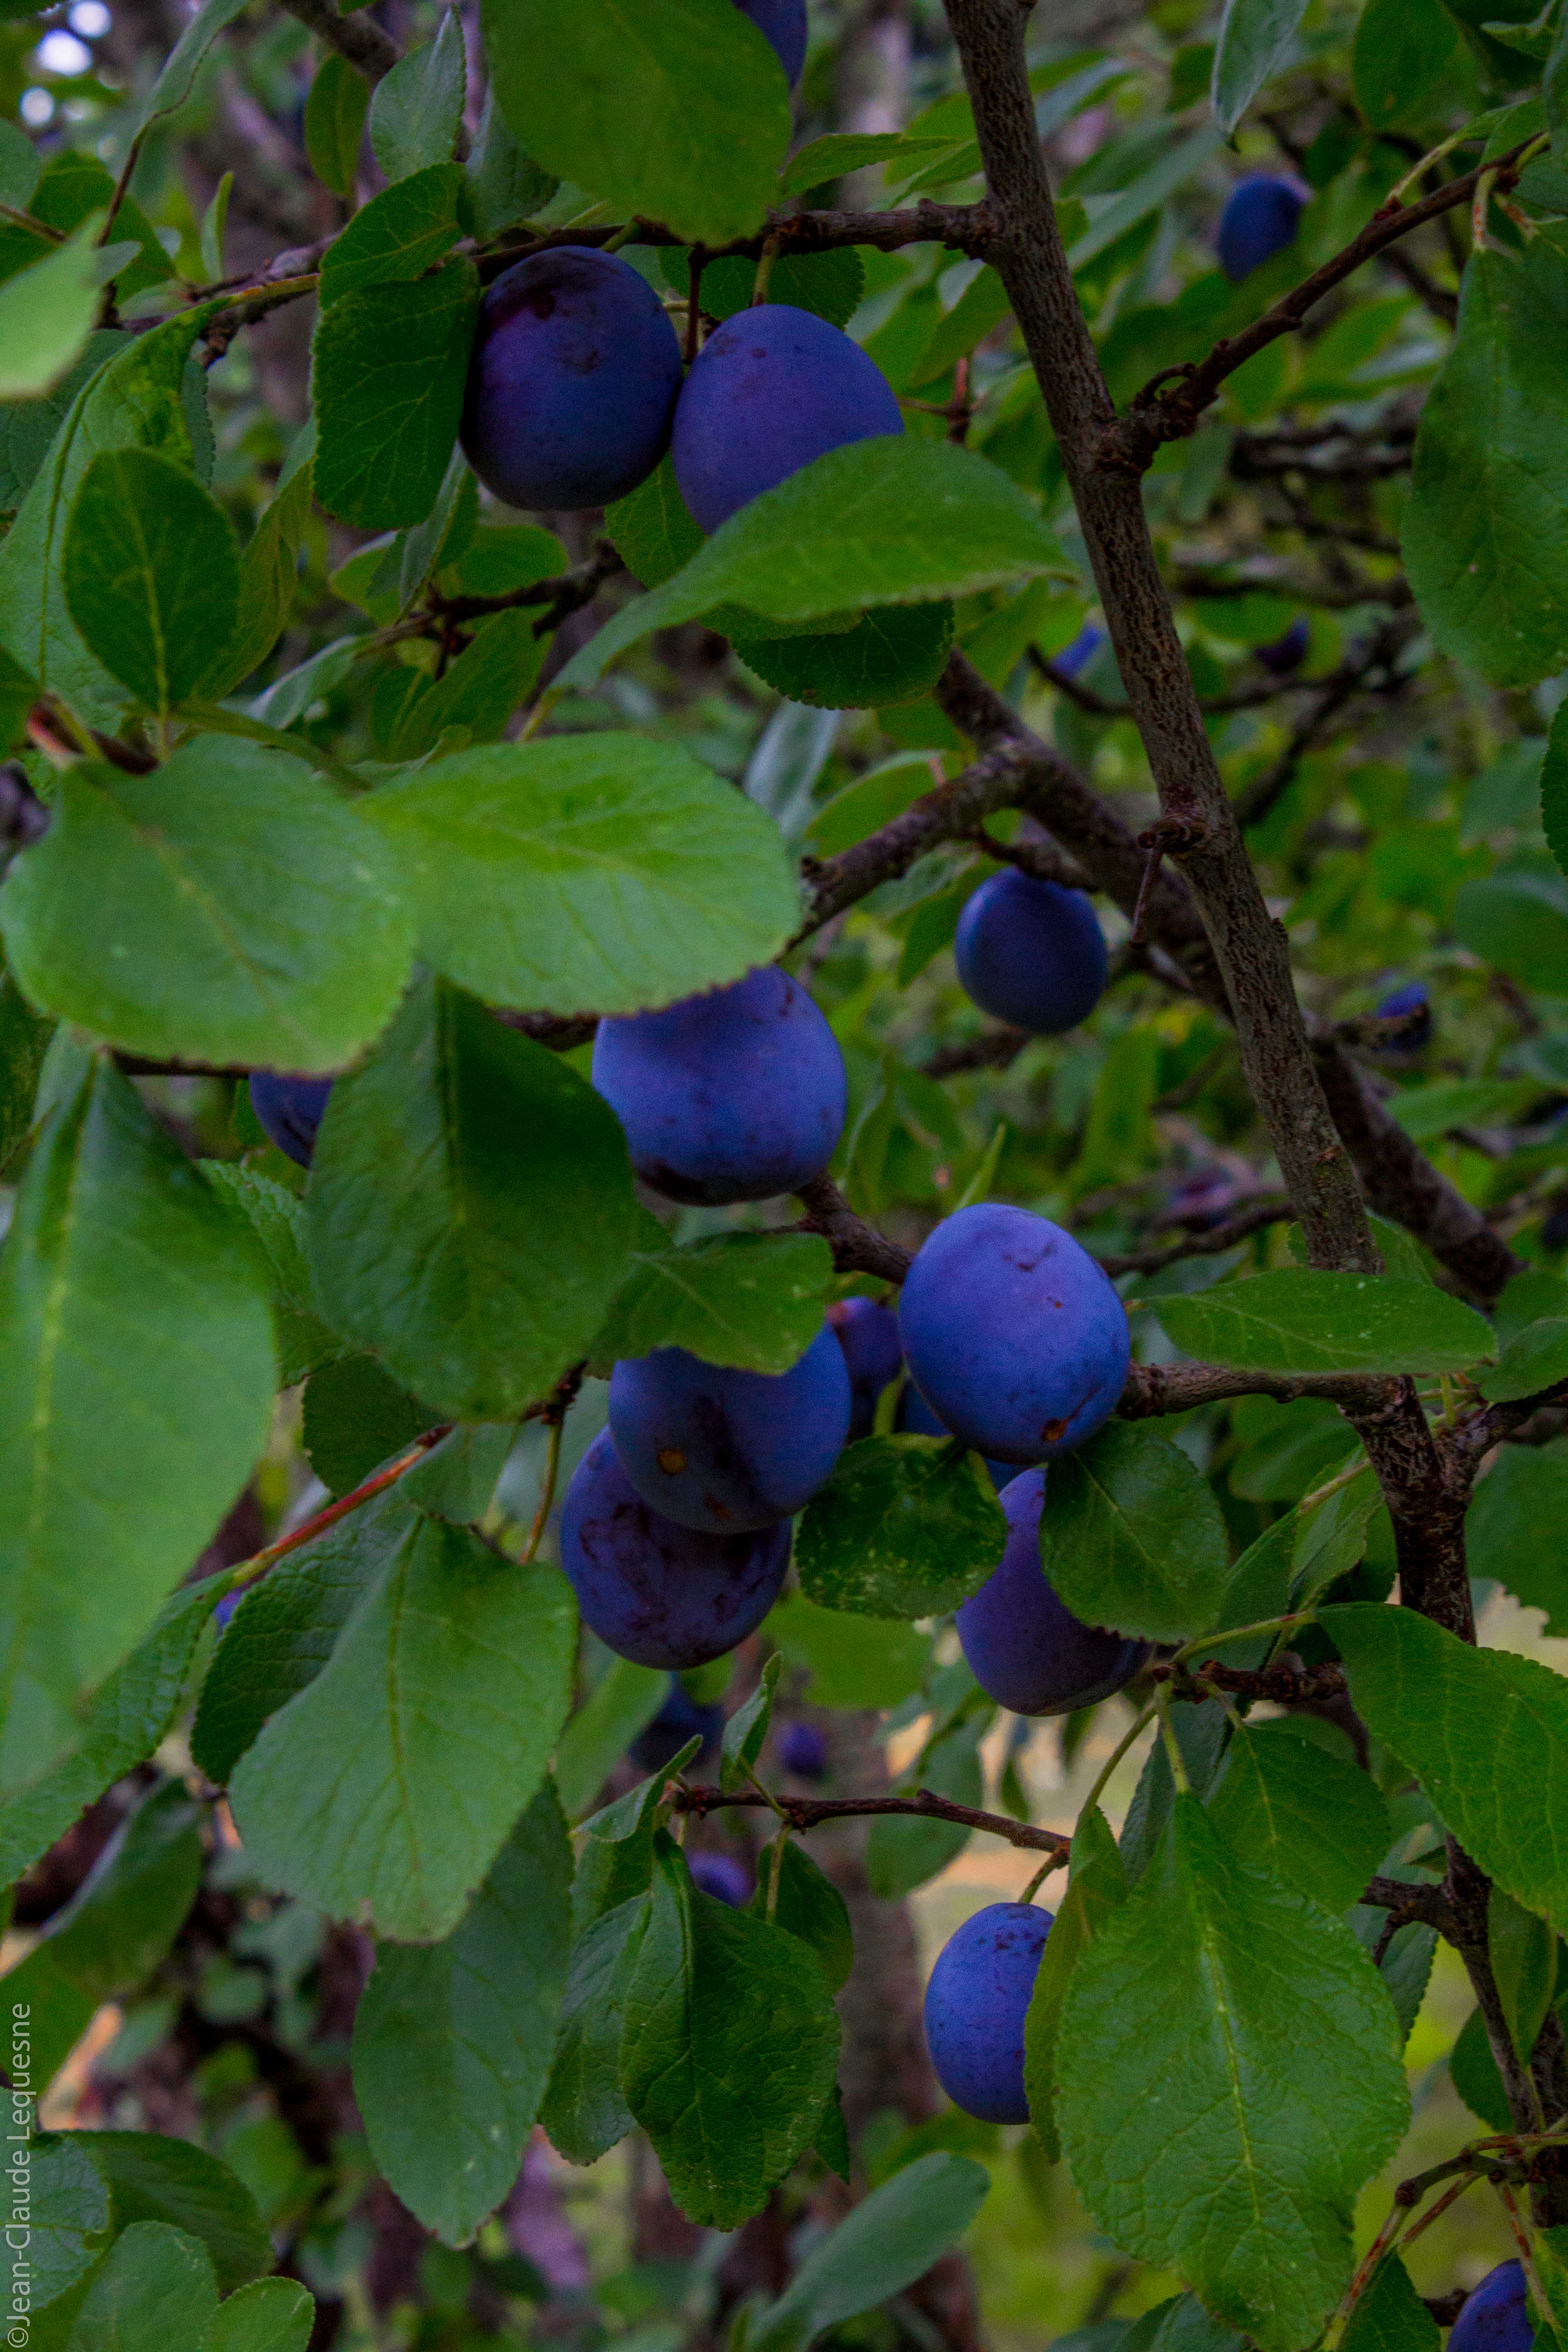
[(355, 36), (807, 1812)]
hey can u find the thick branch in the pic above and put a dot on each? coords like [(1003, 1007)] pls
[(354, 36), (964, 228), (1153, 1388)]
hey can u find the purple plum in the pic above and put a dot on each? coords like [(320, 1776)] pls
[(1494, 2317), (802, 1751), (783, 23), (1024, 1646), (868, 1335), (976, 2001), (1261, 215), (1031, 952), (726, 1451), (723, 1876), (681, 1718), (290, 1110), (916, 1416)]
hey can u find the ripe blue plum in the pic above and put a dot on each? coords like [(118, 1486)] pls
[(1074, 659), (773, 389), (726, 1451), (802, 1751), (1031, 952), (1285, 655), (976, 2001), (783, 23), (681, 1718), (573, 382), (723, 1876), (916, 1416), (1493, 2317), (660, 1594), (868, 1335), (1261, 215), (1012, 1333), (1024, 1645), (1412, 1006), (290, 1110), (736, 1094)]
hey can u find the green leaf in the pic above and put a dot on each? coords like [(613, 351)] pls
[(1131, 1535), (1254, 36), (400, 233), (1485, 1732), (274, 2315), (241, 911), (155, 2289), (70, 2220), (978, 312), (125, 1725), (390, 366), (889, 2239), (810, 1907), (906, 1527), (841, 152), (747, 1729), (595, 873), (275, 1220), (1524, 1961), (357, 1417), (416, 109), (830, 285), (1389, 2315), (504, 185), (285, 1631), (391, 1780), (1535, 1359), (134, 402), (891, 657), (471, 1213), (1302, 1321), (269, 571), (114, 1931), (136, 1385), (1475, 2077), (892, 521), (47, 311), (730, 2048), (452, 2041), (1518, 922), (1404, 53), (855, 1662), (680, 113), (902, 1852), (651, 529), (622, 1703), (1554, 783), (154, 2177), (476, 695), (178, 75), (1314, 1820), (750, 1300), (28, 428), (1211, 1973), (1097, 1884), (1513, 1528), (457, 1479), (334, 122), (585, 2111), (1486, 529)]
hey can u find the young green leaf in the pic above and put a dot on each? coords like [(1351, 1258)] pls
[(680, 113), (401, 232), (242, 911), (750, 1300), (890, 657), (452, 2041), (390, 365), (1185, 2158), (1301, 1321), (1096, 1885), (595, 873), (46, 312), (906, 1527), (471, 1214), (1131, 1536), (730, 2048), (747, 1729), (136, 1385), (1485, 1732), (392, 1779), (892, 521), (1254, 36)]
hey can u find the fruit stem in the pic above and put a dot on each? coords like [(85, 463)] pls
[(1114, 1759), (1237, 1633), (1173, 1746), (249, 1569), (1039, 1880), (547, 1495), (765, 260)]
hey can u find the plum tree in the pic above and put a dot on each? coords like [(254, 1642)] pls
[(1024, 1646), (722, 1875), (728, 1451), (681, 1718), (917, 1417), (291, 1109), (735, 1095), (1031, 952), (975, 2004), (1495, 2318), (573, 382), (869, 1334), (771, 390), (654, 1591), (1012, 1333), (802, 1751), (1260, 218), (784, 22)]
